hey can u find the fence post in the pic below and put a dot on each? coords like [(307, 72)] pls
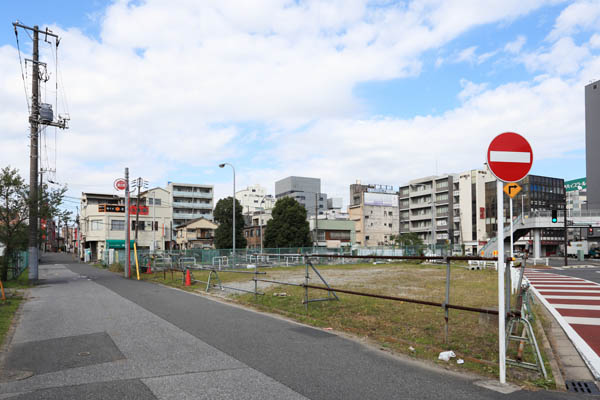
[(447, 301)]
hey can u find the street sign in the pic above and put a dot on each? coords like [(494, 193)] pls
[(512, 189), (120, 184), (509, 157)]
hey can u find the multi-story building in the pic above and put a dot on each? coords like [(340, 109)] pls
[(102, 222), (306, 191), (429, 207), (190, 201), (255, 225), (374, 210), (592, 144), (254, 198), (538, 193), (576, 192), (471, 209)]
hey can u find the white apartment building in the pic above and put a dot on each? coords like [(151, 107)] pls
[(102, 222), (190, 201), (429, 208), (254, 198), (471, 186)]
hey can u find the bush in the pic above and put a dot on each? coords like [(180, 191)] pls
[(116, 267)]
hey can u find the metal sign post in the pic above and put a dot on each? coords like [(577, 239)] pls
[(509, 158)]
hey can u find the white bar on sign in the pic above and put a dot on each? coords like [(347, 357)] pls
[(510, 156)]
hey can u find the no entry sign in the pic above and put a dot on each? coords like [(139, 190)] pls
[(120, 184), (509, 157)]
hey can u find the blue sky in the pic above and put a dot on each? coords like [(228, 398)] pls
[(338, 90)]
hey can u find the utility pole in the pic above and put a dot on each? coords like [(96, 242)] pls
[(34, 121), (317, 220), (137, 211), (126, 268)]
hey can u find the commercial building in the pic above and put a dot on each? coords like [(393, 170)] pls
[(190, 201), (102, 222), (592, 144), (576, 192), (196, 234), (254, 198), (429, 207), (332, 233), (538, 193), (374, 210), (306, 191)]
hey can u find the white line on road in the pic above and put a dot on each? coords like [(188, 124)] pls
[(572, 297), (559, 306), (583, 320), (544, 290), (544, 286)]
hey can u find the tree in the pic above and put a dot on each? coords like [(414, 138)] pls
[(407, 239), (223, 216), (288, 227), (14, 213), (49, 206)]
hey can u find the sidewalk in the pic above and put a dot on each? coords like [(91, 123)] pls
[(82, 341)]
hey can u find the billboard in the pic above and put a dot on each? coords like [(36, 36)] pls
[(575, 184), (381, 199)]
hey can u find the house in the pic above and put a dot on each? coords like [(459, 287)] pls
[(196, 234)]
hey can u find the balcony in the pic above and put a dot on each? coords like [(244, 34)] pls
[(456, 193), (203, 206), (420, 217), (177, 215), (194, 195)]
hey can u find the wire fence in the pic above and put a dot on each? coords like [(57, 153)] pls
[(17, 264)]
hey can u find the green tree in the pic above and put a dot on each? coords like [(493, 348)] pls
[(14, 212), (223, 216), (49, 206), (288, 227), (407, 239)]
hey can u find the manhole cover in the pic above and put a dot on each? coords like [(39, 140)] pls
[(586, 387)]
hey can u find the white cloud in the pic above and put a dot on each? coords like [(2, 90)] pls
[(581, 15), (595, 41), (175, 94), (470, 89), (467, 55), (515, 46), (564, 58)]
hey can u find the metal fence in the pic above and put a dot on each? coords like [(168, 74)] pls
[(17, 264)]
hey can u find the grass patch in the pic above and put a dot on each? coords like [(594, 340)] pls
[(400, 325), (11, 304)]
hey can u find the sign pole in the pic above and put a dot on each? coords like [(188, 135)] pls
[(501, 305), (127, 250)]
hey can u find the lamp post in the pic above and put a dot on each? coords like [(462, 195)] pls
[(233, 207)]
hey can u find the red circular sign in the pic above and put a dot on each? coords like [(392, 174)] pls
[(120, 184), (509, 157)]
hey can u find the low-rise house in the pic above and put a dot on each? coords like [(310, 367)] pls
[(196, 234)]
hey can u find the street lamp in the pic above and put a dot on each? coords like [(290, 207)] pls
[(233, 207)]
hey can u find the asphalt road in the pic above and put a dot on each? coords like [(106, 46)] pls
[(273, 355)]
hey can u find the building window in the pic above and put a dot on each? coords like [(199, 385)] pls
[(96, 225), (152, 201), (117, 225), (141, 227)]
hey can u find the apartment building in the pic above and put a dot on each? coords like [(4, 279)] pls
[(190, 201), (374, 211), (471, 209), (254, 198), (429, 207), (102, 221), (306, 191), (196, 234), (592, 144)]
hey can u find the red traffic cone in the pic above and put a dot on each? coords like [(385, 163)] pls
[(149, 269), (188, 278)]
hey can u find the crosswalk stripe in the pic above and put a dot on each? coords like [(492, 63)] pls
[(559, 306), (569, 297), (582, 320)]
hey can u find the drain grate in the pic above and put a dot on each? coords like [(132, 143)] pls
[(586, 387)]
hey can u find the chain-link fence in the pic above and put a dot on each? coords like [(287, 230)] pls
[(17, 264)]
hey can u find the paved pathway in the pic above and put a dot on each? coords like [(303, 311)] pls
[(575, 303), (90, 334)]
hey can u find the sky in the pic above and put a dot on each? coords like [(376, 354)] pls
[(378, 91)]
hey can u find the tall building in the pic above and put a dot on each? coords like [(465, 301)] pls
[(538, 193), (254, 198), (374, 210), (429, 208), (190, 201), (471, 209), (306, 191), (592, 144), (576, 192)]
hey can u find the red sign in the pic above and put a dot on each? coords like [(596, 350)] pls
[(143, 210), (120, 184), (481, 212), (509, 157)]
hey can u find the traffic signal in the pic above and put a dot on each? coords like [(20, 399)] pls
[(554, 216), (591, 231)]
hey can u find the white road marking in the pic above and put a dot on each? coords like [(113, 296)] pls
[(572, 297), (547, 285), (576, 306), (583, 320), (542, 290)]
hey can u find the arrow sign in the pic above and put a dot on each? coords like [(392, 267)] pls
[(512, 189), (509, 157)]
